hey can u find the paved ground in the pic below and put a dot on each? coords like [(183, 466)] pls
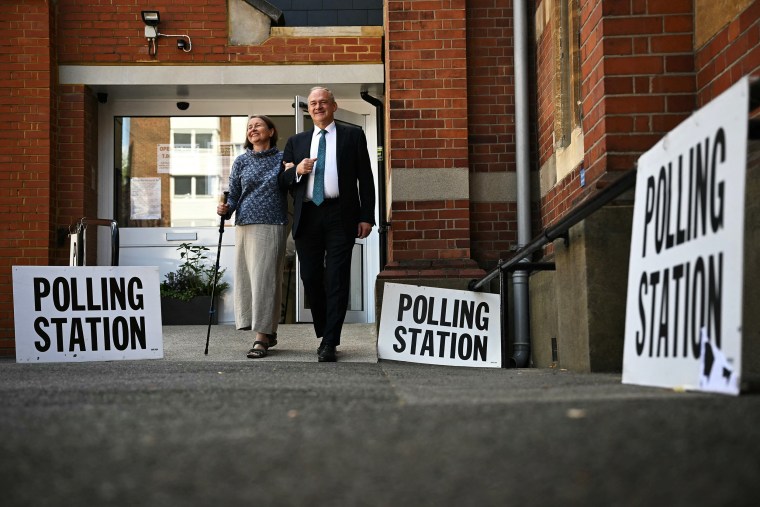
[(296, 343), (224, 430)]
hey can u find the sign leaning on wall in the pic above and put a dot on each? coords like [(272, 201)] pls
[(98, 313), (686, 266), (440, 326)]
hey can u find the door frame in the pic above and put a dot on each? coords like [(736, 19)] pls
[(369, 246)]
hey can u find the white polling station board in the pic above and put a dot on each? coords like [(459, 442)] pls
[(686, 264), (440, 326), (86, 313)]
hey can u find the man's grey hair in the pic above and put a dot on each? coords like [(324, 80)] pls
[(329, 92)]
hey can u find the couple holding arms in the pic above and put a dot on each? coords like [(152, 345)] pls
[(328, 173)]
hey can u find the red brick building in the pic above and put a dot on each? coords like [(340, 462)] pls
[(605, 80)]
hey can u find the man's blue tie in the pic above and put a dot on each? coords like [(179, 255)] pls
[(318, 194)]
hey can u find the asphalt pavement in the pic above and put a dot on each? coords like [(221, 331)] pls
[(220, 429)]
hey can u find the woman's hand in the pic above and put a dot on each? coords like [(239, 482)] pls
[(222, 209)]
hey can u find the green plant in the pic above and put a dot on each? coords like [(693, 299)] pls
[(194, 276)]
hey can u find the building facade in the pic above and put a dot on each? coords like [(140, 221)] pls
[(464, 176)]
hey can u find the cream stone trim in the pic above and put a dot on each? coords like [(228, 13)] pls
[(570, 156), (493, 187), (326, 31), (548, 175), (711, 16), (543, 16), (428, 184), (219, 74)]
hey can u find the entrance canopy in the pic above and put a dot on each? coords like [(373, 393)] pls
[(224, 82)]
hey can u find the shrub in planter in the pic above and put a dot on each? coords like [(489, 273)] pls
[(188, 289)]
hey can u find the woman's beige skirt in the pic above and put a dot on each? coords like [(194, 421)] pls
[(260, 254)]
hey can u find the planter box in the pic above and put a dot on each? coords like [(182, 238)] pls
[(194, 312)]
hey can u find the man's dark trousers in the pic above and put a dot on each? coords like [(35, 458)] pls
[(324, 251)]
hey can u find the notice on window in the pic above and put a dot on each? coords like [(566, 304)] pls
[(145, 199), (685, 280), (163, 158)]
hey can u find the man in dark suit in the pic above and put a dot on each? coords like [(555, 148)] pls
[(330, 178)]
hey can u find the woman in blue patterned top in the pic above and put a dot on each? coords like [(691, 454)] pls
[(260, 218)]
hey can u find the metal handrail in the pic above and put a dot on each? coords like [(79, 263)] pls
[(624, 183), (81, 229), (519, 261)]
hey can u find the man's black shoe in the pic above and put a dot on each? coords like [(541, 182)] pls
[(327, 354)]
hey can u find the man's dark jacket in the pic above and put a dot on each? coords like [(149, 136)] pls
[(355, 181)]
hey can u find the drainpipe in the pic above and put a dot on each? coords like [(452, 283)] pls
[(382, 229), (521, 344)]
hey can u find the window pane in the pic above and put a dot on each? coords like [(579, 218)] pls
[(204, 185), (204, 141), (183, 185), (182, 140)]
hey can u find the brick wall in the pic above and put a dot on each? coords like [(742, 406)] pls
[(732, 53), (75, 189), (115, 33), (430, 230), (491, 119), (637, 64), (645, 85), (490, 86), (426, 92), (27, 111), (493, 231)]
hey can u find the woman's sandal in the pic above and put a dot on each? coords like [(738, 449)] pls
[(255, 353), (272, 340)]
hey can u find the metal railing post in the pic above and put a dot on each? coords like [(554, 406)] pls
[(504, 299), (81, 233)]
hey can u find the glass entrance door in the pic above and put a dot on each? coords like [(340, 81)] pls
[(358, 307), (162, 170)]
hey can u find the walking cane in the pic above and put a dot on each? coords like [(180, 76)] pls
[(211, 310)]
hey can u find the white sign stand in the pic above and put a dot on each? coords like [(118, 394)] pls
[(686, 266), (440, 326), (86, 313)]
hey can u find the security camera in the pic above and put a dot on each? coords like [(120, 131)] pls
[(182, 106)]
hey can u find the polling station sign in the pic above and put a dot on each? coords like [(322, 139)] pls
[(440, 326), (98, 313), (686, 264)]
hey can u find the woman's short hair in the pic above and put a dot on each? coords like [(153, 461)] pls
[(272, 140)]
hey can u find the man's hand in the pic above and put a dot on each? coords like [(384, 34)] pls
[(306, 166), (363, 230)]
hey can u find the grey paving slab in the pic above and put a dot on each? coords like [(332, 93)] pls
[(196, 430), (296, 342)]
